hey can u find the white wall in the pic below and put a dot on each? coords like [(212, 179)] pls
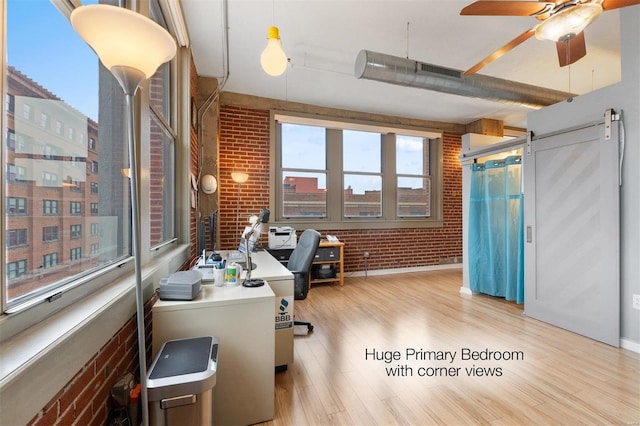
[(625, 97)]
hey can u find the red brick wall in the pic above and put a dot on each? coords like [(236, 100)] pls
[(85, 400), (244, 146)]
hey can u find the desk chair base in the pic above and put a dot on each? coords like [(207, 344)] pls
[(308, 324)]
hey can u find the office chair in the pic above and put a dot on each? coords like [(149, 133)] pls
[(300, 265)]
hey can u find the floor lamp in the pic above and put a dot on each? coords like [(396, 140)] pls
[(239, 178), (132, 47)]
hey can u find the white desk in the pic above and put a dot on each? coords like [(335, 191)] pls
[(280, 279), (250, 344)]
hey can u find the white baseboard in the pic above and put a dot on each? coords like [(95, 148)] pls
[(630, 345), (404, 270), (466, 290)]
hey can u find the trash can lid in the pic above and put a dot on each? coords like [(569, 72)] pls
[(184, 356)]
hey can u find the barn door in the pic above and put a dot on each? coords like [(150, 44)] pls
[(572, 232)]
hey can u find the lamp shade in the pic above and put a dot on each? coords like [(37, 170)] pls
[(273, 59), (568, 22), (123, 38), (239, 177)]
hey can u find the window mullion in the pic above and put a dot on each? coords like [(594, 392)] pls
[(334, 174), (389, 186)]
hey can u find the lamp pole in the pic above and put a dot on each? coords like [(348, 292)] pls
[(132, 47)]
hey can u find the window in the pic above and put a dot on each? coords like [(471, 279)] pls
[(16, 269), (304, 171), (49, 233), (362, 173), (341, 175), (75, 208), (16, 205), (16, 173), (75, 254), (50, 179), (162, 197), (75, 232), (49, 260), (16, 238), (27, 112), (11, 103), (50, 207), (44, 120), (86, 128), (413, 176), (11, 139)]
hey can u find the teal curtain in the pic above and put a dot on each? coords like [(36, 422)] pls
[(496, 229)]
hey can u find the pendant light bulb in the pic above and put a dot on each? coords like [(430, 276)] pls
[(273, 59)]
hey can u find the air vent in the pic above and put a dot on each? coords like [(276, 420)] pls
[(410, 73), (439, 70)]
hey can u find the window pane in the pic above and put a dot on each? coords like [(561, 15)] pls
[(303, 147), (47, 161), (412, 155), (413, 192), (161, 184), (413, 197), (162, 151), (160, 95), (304, 194), (362, 195), (361, 151)]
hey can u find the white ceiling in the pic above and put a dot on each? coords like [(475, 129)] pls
[(323, 37)]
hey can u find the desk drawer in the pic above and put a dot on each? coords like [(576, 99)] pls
[(325, 254)]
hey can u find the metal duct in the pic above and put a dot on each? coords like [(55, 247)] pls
[(407, 72)]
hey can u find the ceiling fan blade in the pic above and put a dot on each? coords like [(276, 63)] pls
[(616, 4), (498, 53), (571, 50), (507, 8)]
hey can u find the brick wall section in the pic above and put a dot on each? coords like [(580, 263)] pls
[(193, 154), (244, 145), (85, 400)]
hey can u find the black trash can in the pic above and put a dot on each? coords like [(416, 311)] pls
[(181, 380)]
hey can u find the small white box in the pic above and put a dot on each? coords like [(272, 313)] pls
[(282, 238)]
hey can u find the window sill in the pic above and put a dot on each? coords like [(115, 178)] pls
[(56, 349), (354, 224)]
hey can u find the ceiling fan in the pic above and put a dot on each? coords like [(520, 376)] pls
[(560, 21)]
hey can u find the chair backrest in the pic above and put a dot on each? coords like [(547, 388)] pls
[(302, 256)]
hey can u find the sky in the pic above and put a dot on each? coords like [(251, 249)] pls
[(42, 45), (362, 154)]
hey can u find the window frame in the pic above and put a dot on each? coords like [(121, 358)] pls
[(167, 257), (335, 219)]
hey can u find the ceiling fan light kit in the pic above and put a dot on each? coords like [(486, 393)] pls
[(568, 22), (560, 21)]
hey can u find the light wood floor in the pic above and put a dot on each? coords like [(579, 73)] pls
[(560, 378)]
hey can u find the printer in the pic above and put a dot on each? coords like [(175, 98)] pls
[(282, 237), (182, 285)]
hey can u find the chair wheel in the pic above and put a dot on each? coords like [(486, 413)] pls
[(310, 328)]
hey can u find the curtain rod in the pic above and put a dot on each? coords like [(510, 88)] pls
[(472, 155)]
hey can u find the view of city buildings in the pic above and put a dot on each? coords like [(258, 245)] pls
[(52, 189), (303, 198)]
